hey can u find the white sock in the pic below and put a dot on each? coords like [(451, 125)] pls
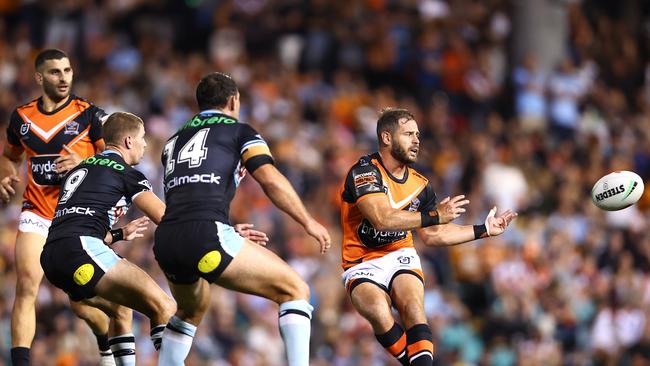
[(295, 328), (176, 342)]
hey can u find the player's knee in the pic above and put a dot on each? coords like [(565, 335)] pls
[(411, 310), (166, 307), (294, 288), (27, 286), (123, 315)]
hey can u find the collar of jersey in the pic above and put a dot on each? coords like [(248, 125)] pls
[(392, 177), (211, 111), (106, 152)]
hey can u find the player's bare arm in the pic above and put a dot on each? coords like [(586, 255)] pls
[(377, 209), (9, 161), (150, 205), (279, 190), (452, 234)]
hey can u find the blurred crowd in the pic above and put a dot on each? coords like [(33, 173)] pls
[(567, 284)]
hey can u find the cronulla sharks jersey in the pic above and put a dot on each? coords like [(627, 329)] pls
[(94, 195), (204, 163)]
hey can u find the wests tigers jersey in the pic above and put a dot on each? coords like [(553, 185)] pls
[(204, 163), (41, 135), (361, 241)]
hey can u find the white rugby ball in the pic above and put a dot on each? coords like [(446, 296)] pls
[(617, 190)]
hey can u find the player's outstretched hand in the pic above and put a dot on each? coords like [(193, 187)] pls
[(6, 187), (451, 208), (136, 228), (256, 236), (318, 232), (497, 224), (67, 162)]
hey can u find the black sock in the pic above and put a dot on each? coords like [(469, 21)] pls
[(420, 345), (102, 343), (394, 341), (20, 356)]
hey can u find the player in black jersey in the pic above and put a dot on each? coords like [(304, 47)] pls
[(194, 244), (93, 196)]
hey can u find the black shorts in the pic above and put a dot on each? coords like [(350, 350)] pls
[(189, 250), (76, 264)]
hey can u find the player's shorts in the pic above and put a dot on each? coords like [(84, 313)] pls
[(382, 271), (76, 264), (30, 222), (191, 250)]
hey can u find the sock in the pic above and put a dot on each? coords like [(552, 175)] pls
[(394, 341), (176, 342), (20, 356), (156, 335), (419, 341), (105, 353), (295, 328), (123, 347)]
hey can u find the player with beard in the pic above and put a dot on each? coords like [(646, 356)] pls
[(55, 131), (383, 200)]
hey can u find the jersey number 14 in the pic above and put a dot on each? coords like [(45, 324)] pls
[(193, 152)]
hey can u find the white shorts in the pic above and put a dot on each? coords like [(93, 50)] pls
[(382, 271), (29, 222)]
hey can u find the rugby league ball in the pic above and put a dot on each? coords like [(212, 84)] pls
[(617, 190)]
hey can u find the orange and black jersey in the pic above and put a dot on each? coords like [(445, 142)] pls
[(41, 135), (361, 241)]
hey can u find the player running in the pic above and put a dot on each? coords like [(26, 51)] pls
[(55, 132), (194, 244), (383, 200)]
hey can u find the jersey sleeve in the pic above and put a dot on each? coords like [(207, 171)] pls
[(428, 199), (13, 137), (136, 183), (362, 180), (253, 149), (97, 118)]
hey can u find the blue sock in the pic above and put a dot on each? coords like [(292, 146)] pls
[(295, 328), (176, 342)]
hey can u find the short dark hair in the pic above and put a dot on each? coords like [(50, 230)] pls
[(214, 90), (389, 120), (49, 54), (118, 125)]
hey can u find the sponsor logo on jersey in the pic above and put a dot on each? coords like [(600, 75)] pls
[(197, 121), (43, 168), (72, 128), (196, 178), (74, 210), (374, 238), (93, 160)]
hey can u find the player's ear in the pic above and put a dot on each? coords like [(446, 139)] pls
[(38, 77), (386, 137), (231, 103), (128, 141)]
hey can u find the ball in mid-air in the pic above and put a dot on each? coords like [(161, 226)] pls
[(617, 190)]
